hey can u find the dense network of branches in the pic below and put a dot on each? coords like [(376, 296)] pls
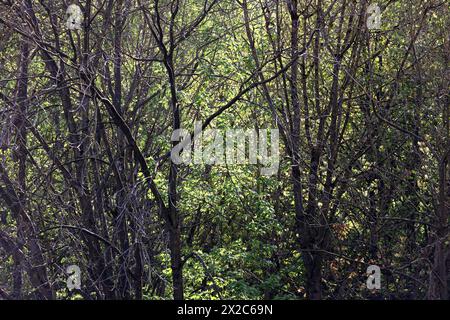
[(86, 119)]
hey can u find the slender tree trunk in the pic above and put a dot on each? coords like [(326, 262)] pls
[(26, 230)]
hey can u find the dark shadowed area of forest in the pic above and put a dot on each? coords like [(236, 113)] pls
[(356, 174)]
